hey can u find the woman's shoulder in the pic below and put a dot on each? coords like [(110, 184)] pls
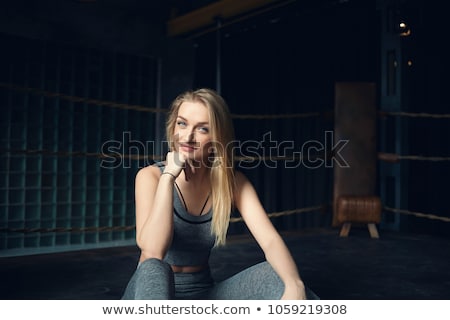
[(159, 164), (240, 178), (154, 170), (239, 174)]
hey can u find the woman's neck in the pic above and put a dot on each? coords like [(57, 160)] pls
[(199, 176)]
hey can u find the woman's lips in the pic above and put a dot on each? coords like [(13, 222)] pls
[(187, 147)]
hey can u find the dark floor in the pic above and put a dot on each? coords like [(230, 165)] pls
[(396, 266)]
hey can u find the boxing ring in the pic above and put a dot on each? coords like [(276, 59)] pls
[(10, 230)]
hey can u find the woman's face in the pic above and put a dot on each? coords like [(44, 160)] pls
[(192, 131)]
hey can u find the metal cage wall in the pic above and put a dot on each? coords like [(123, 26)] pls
[(60, 186)]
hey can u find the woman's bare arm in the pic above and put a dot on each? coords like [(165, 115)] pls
[(154, 206), (154, 218), (268, 238)]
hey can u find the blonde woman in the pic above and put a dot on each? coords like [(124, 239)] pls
[(183, 208)]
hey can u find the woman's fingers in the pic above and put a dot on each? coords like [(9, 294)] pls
[(189, 169), (175, 162)]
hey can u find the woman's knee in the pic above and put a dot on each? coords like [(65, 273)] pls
[(269, 276), (153, 279), (275, 281), (257, 282), (265, 271), (154, 266)]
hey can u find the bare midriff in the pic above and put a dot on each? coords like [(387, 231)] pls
[(188, 269)]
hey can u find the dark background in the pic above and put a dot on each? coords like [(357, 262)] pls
[(78, 74)]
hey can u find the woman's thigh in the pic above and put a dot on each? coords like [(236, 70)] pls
[(259, 282)]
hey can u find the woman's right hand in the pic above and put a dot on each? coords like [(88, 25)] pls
[(176, 162)]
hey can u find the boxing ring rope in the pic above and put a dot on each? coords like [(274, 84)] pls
[(417, 214), (50, 94), (124, 106), (414, 115), (130, 228), (392, 157), (388, 157)]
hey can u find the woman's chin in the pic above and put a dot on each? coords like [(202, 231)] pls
[(191, 156)]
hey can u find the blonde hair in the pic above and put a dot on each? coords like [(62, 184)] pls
[(221, 160)]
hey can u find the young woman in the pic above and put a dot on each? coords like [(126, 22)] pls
[(183, 209)]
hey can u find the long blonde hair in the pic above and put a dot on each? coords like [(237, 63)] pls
[(221, 159)]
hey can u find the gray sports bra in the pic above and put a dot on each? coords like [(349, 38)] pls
[(192, 239)]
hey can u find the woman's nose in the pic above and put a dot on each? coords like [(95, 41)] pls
[(190, 135)]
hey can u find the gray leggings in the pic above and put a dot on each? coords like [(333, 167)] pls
[(154, 280)]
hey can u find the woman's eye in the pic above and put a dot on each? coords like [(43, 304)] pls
[(203, 129), (181, 123)]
